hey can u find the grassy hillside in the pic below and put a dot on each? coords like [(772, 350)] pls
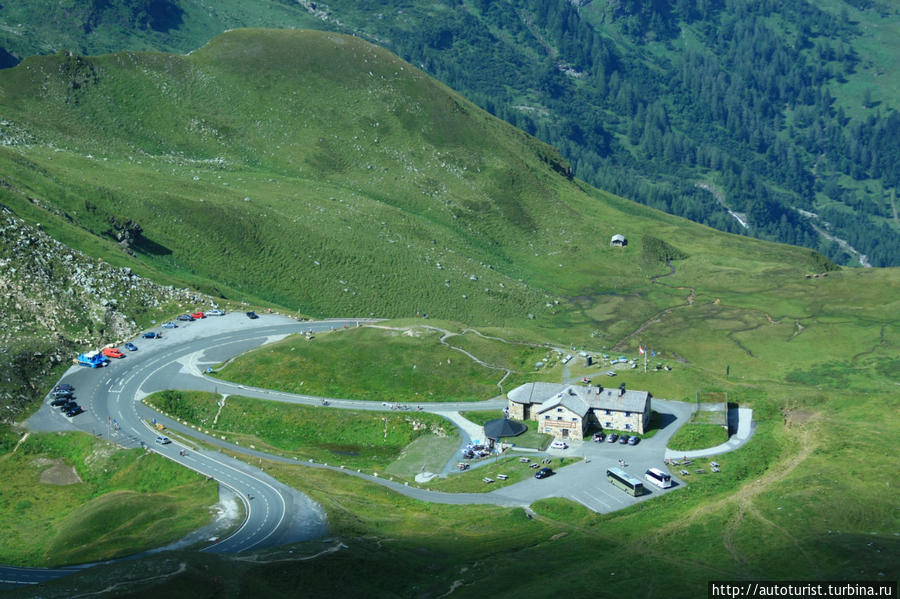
[(357, 439), (781, 112), (375, 364), (73, 499), (321, 173), (784, 507)]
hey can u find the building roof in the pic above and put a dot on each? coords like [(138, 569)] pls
[(630, 401), (534, 393), (573, 397), (568, 399)]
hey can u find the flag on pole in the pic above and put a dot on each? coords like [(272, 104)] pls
[(641, 349)]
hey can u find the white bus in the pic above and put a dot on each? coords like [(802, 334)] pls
[(658, 478)]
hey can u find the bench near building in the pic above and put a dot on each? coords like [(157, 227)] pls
[(569, 411)]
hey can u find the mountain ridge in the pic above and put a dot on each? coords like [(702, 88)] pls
[(780, 106)]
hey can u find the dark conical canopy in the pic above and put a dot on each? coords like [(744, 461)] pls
[(503, 427)]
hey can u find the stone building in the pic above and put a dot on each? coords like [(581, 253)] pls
[(569, 411)]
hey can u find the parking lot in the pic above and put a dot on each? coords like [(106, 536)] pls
[(585, 482)]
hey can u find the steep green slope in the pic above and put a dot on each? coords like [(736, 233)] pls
[(322, 173), (782, 112)]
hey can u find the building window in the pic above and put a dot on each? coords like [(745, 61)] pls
[(574, 419), (607, 412), (607, 425), (547, 429), (559, 409), (627, 427), (559, 417), (547, 417), (627, 414)]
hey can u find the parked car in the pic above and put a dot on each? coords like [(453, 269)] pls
[(197, 315), (163, 440), (634, 440), (543, 473), (559, 445), (611, 437), (599, 437), (623, 440), (185, 318), (252, 315), (60, 401), (74, 411), (67, 406), (610, 373), (169, 325), (151, 335), (66, 394), (113, 352), (130, 346), (64, 387), (215, 313)]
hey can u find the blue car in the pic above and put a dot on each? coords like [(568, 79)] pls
[(151, 335), (131, 346), (169, 325)]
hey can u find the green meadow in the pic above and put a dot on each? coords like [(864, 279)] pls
[(390, 363), (780, 508), (323, 176), (361, 439), (249, 183), (694, 435), (70, 498)]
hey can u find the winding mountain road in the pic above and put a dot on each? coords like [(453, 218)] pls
[(275, 513)]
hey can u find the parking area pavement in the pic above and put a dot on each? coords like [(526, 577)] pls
[(585, 482)]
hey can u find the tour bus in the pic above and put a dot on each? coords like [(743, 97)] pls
[(659, 478), (625, 481)]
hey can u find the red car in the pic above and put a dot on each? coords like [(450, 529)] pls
[(113, 352), (197, 315)]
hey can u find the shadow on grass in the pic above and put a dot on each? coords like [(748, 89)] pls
[(148, 246)]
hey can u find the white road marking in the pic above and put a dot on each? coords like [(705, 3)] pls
[(598, 500)]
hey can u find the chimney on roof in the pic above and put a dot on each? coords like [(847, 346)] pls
[(622, 389)]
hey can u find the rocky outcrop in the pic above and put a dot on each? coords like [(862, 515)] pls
[(56, 301)]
